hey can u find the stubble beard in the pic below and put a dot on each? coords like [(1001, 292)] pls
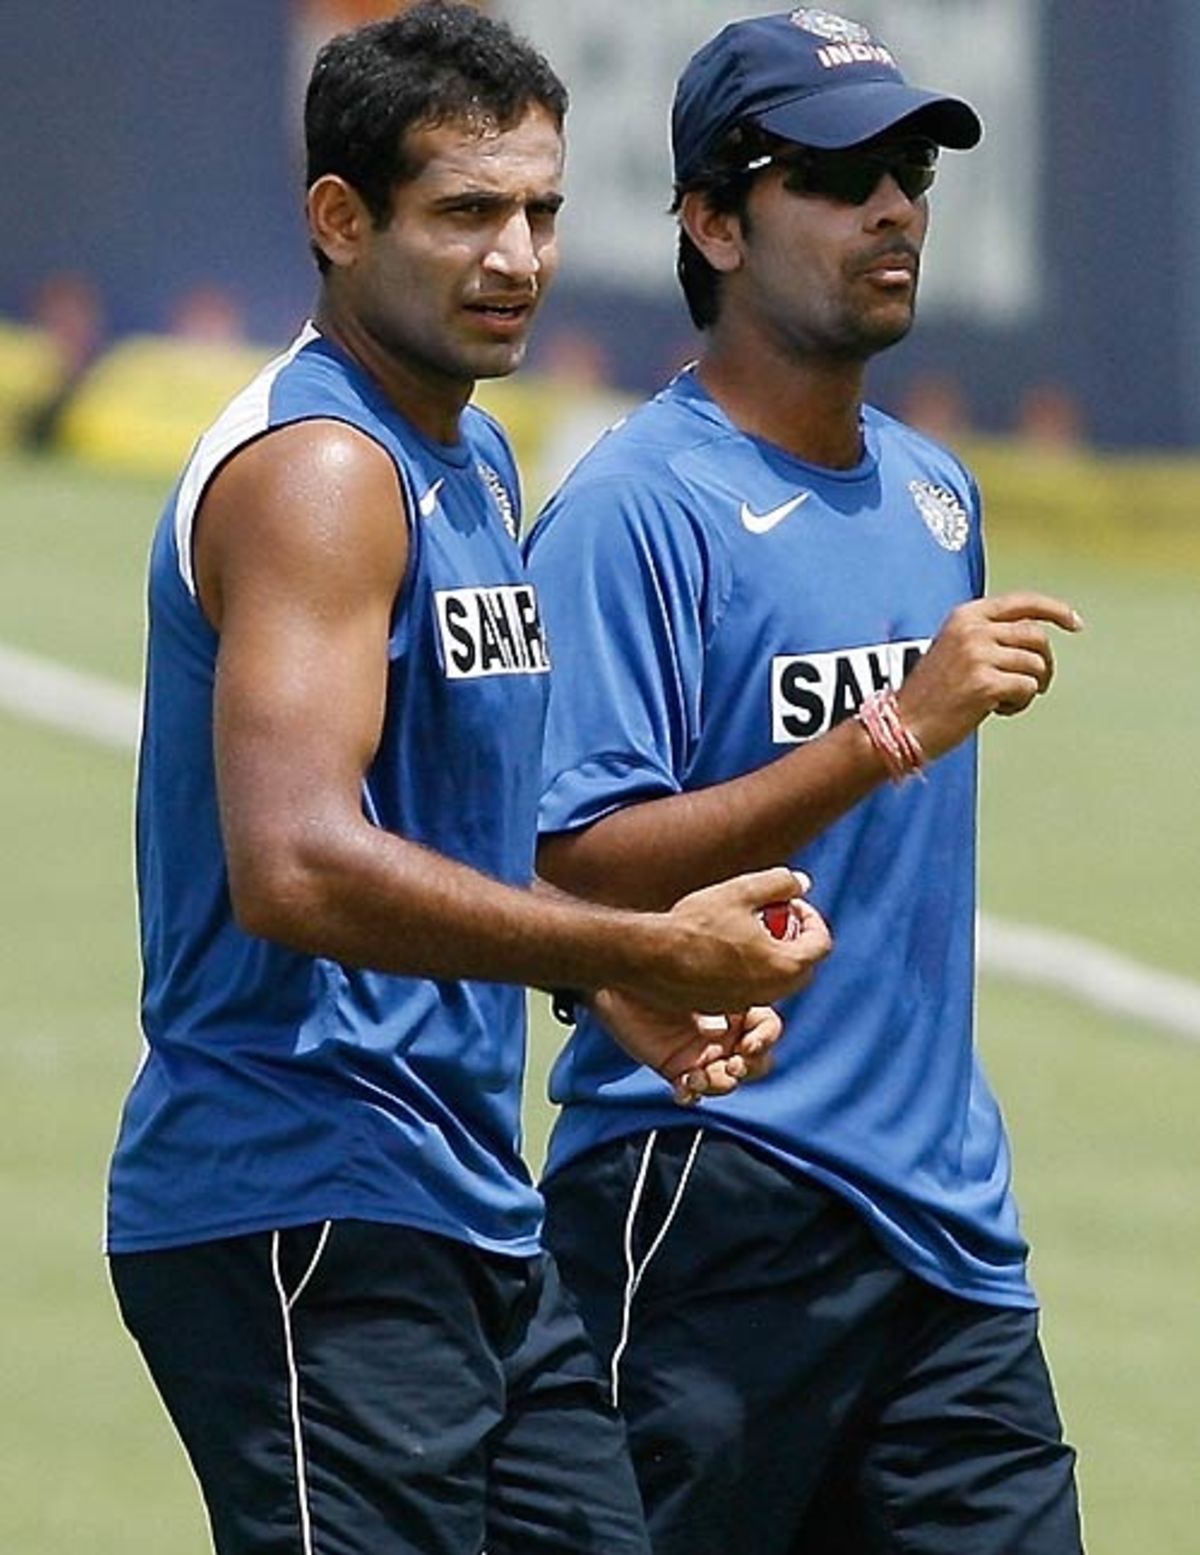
[(862, 333)]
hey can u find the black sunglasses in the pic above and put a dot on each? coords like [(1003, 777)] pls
[(852, 176)]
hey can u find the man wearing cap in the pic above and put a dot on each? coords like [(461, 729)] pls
[(765, 602)]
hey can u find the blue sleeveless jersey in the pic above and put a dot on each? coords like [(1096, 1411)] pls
[(712, 602), (278, 1088)]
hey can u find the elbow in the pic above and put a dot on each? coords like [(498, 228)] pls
[(296, 878), (275, 900)]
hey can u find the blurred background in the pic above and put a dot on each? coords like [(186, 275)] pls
[(153, 185), (154, 256)]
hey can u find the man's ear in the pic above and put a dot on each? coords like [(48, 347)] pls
[(338, 221), (718, 235)]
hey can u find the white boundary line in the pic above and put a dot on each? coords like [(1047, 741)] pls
[(49, 693), (1091, 974), (100, 710)]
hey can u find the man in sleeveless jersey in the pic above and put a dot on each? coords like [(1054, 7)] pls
[(321, 1231), (766, 599)]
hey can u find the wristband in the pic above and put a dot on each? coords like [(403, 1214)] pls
[(894, 742)]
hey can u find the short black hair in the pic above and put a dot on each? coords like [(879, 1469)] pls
[(724, 179), (434, 63)]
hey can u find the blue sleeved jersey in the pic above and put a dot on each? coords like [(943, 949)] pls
[(711, 603), (279, 1088)]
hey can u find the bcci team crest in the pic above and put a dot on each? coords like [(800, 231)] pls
[(500, 492), (944, 515), (835, 29)]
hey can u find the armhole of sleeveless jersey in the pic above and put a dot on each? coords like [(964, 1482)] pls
[(185, 526), (245, 418)]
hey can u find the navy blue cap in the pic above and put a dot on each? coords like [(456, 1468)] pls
[(811, 77)]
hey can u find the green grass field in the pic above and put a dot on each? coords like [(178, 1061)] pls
[(1090, 824)]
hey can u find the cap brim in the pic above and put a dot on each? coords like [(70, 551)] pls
[(843, 116)]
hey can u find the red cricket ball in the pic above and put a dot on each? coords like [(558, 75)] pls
[(781, 921)]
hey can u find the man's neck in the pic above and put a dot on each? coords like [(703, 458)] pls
[(431, 402), (812, 409)]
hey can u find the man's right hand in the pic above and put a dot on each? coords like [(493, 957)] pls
[(991, 656), (697, 1055), (724, 958)]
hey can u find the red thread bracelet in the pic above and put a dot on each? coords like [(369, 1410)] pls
[(894, 742)]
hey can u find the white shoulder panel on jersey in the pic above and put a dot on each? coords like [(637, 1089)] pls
[(246, 415)]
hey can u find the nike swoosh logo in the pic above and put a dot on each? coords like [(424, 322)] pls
[(427, 504), (761, 523)]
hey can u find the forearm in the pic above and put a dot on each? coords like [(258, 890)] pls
[(367, 898), (355, 894), (991, 655), (647, 855)]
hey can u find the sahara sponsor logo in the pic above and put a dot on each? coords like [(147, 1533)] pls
[(491, 631), (811, 693)]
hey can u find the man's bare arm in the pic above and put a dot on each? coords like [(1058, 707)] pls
[(991, 656), (300, 550)]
